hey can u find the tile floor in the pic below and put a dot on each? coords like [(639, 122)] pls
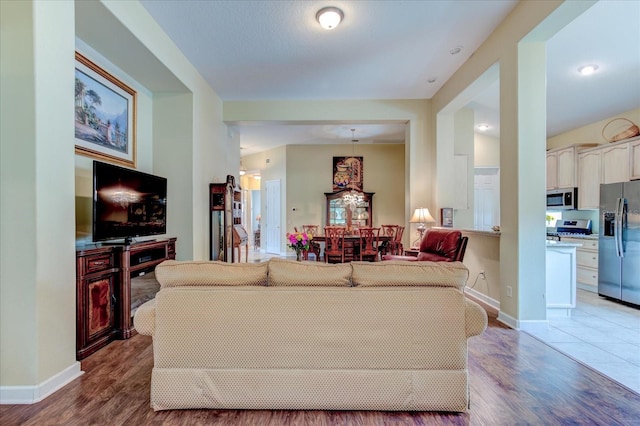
[(600, 333)]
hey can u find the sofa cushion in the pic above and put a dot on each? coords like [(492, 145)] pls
[(172, 273), (284, 272), (401, 273)]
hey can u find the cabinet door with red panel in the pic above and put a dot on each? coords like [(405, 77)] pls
[(96, 304)]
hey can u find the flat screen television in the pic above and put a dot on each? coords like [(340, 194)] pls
[(127, 203)]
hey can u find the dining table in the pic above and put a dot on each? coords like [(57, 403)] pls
[(351, 245)]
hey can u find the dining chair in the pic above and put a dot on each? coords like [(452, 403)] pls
[(334, 243), (397, 247), (314, 247), (386, 246), (369, 239)]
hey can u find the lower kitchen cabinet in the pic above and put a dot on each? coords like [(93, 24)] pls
[(586, 263)]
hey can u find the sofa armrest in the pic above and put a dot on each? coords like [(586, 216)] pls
[(475, 318), (144, 320)]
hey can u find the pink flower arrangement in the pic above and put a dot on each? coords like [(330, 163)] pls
[(299, 240)]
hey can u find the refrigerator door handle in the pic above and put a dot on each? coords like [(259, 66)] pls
[(618, 227)]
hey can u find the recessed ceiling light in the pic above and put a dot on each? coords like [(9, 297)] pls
[(329, 17), (431, 80), (483, 127), (588, 69), (456, 50)]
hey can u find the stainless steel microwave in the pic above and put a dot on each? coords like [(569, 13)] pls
[(562, 199)]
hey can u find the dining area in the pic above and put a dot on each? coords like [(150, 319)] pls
[(341, 244)]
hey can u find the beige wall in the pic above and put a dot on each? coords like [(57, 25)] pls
[(419, 153), (181, 136), (37, 266), (517, 45), (592, 133), (305, 173), (486, 151), (310, 175), (483, 254)]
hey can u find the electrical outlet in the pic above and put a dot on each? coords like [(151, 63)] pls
[(509, 291)]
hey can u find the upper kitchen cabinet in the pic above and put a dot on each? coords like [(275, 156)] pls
[(615, 163), (634, 151), (561, 168), (589, 177)]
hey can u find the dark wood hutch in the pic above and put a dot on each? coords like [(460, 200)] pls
[(338, 212), (225, 221)]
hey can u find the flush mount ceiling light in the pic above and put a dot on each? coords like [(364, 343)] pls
[(588, 69), (456, 50), (483, 127), (329, 17)]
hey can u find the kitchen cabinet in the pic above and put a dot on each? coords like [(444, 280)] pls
[(552, 170), (589, 178), (561, 168), (634, 168), (615, 163), (586, 263), (560, 292)]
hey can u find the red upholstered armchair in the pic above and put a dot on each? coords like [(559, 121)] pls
[(438, 245)]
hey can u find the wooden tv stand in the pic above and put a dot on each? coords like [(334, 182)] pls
[(103, 289)]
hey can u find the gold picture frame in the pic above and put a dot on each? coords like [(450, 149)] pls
[(105, 115)]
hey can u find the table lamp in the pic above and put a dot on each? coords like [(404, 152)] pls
[(421, 216)]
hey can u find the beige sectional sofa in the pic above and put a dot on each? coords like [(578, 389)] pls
[(307, 335)]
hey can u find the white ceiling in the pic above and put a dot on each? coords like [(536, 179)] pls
[(275, 50)]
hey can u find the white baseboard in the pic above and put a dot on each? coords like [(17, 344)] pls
[(33, 394), (475, 294), (507, 320), (525, 325)]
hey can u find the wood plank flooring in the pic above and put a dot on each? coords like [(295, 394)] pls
[(514, 380)]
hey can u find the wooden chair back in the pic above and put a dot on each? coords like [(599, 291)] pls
[(369, 240), (397, 247), (334, 243), (310, 229)]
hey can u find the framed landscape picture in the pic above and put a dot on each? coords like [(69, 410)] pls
[(105, 115)]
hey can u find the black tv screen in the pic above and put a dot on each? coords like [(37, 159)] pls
[(127, 203)]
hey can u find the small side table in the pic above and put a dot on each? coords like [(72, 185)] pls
[(413, 251)]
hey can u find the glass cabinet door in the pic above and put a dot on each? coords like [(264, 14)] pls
[(337, 210)]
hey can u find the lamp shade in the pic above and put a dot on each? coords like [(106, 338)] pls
[(421, 215)]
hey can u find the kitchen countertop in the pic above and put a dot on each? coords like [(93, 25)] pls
[(562, 244), (580, 237)]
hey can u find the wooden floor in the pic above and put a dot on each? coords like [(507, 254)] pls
[(514, 379)]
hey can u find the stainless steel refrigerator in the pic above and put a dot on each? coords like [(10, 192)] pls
[(619, 242)]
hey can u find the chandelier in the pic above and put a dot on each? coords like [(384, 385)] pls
[(124, 198), (352, 199)]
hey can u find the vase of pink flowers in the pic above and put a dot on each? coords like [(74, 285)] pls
[(299, 241)]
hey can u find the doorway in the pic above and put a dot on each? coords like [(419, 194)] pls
[(486, 189)]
